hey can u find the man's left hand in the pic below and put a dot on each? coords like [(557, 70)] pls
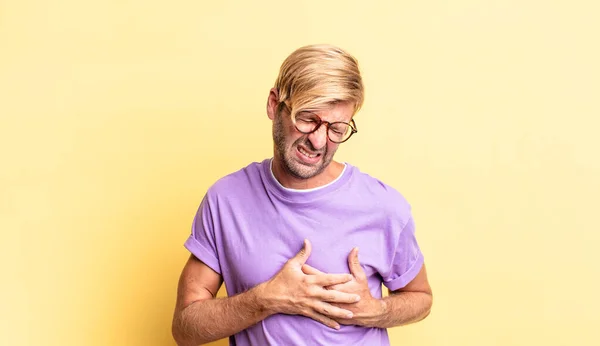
[(368, 309)]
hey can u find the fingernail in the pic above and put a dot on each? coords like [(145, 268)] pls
[(349, 315), (357, 298), (337, 327)]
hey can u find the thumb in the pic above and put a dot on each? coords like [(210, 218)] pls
[(308, 270), (304, 253), (354, 264)]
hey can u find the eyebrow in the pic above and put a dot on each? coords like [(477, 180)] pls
[(320, 118)]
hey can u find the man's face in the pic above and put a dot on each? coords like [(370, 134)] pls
[(307, 155)]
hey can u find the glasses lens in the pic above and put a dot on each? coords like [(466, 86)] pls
[(338, 132), (306, 123)]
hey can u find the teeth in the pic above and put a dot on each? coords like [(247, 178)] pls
[(307, 154)]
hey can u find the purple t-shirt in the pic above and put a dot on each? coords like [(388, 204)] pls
[(248, 225)]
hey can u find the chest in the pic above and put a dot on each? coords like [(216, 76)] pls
[(255, 244)]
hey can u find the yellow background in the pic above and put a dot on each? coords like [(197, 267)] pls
[(116, 116)]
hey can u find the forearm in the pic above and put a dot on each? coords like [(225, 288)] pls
[(400, 309), (212, 319)]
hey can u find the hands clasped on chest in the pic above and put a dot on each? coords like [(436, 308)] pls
[(332, 299)]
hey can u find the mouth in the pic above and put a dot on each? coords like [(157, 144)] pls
[(306, 156)]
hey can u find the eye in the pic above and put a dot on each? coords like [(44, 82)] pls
[(339, 128), (306, 117)]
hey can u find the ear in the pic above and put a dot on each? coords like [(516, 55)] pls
[(272, 103)]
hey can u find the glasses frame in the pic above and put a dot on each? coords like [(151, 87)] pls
[(351, 124)]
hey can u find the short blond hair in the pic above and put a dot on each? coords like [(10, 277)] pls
[(318, 75)]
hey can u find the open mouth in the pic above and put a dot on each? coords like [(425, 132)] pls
[(307, 154), (307, 157)]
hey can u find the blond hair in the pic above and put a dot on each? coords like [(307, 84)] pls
[(318, 75)]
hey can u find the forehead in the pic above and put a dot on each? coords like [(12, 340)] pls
[(339, 111)]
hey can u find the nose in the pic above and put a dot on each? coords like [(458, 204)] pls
[(319, 138)]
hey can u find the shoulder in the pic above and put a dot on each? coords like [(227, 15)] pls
[(238, 182), (386, 197)]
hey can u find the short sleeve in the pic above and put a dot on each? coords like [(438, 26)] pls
[(201, 243), (407, 259)]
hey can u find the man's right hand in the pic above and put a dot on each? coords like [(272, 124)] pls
[(292, 292)]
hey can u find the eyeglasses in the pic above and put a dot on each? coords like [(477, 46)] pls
[(308, 122)]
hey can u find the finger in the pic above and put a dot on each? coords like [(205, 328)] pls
[(332, 296), (330, 279), (349, 286), (323, 319), (332, 311), (304, 253), (354, 264), (308, 270), (339, 287)]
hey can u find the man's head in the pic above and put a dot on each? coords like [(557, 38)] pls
[(315, 83)]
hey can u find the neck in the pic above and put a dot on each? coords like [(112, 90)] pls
[(286, 179)]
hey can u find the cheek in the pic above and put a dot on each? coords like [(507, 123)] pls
[(287, 134), (294, 137), (331, 147)]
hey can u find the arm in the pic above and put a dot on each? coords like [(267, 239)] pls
[(200, 317), (409, 304)]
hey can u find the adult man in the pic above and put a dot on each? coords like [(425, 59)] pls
[(283, 233)]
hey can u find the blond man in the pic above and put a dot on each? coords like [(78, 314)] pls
[(284, 233)]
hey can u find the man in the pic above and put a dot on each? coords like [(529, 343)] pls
[(283, 234)]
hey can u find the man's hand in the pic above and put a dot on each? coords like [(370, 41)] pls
[(367, 310), (293, 292)]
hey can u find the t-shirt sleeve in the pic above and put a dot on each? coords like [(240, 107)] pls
[(201, 243), (407, 259)]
